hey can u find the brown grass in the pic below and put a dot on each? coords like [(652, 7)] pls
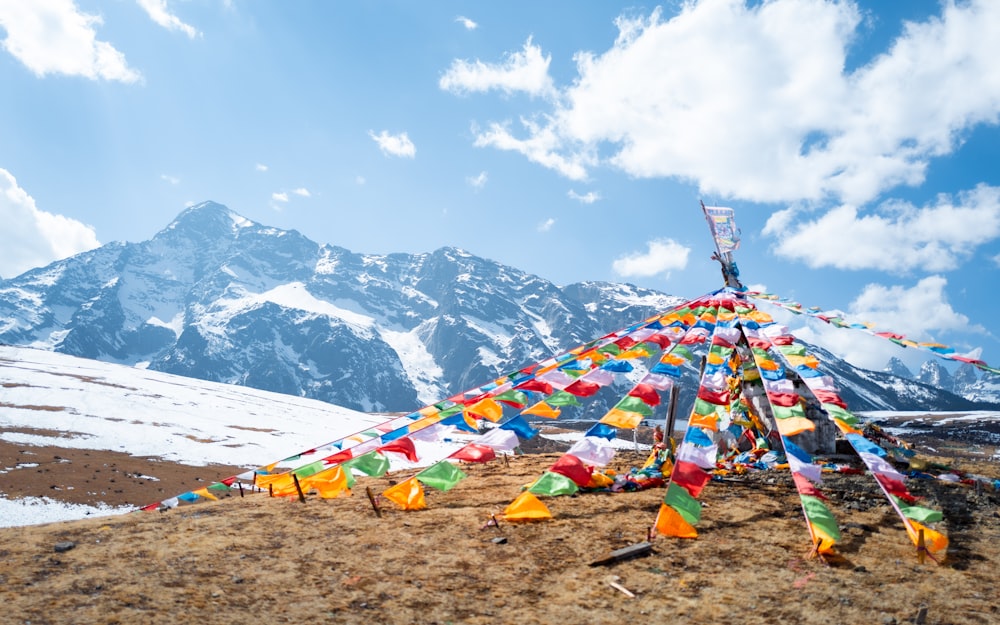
[(264, 560)]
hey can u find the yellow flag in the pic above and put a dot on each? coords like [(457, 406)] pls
[(933, 541), (622, 419), (526, 507)]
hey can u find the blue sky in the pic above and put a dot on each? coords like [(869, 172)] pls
[(858, 145)]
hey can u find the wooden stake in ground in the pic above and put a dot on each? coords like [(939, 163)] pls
[(302, 496), (371, 498)]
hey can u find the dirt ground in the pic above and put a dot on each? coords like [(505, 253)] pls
[(268, 560)]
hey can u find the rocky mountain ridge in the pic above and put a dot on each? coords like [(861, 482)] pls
[(218, 297)]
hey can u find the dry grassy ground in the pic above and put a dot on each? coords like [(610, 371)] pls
[(263, 560)]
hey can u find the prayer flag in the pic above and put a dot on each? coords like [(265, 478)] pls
[(408, 494), (526, 507), (442, 475)]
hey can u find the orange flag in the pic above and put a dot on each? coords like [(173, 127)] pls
[(794, 425), (409, 494), (487, 408), (669, 522), (526, 507), (934, 541), (329, 484), (541, 409)]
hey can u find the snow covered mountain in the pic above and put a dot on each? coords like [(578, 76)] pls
[(218, 297), (898, 368)]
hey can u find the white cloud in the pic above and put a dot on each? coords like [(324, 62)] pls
[(394, 145), (546, 225), (542, 146), (920, 313), (280, 197), (302, 191), (661, 256), (260, 167), (32, 237), (466, 22), (159, 13), (526, 70), (896, 236), (174, 180), (996, 260), (478, 181), (54, 37), (754, 102), (587, 198), (359, 180)]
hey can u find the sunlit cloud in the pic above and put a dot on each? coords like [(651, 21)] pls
[(773, 112), (159, 13), (260, 167), (174, 180), (55, 37), (524, 71), (466, 22), (896, 236), (546, 225), (280, 197), (32, 237), (394, 145), (587, 198), (661, 257), (302, 191)]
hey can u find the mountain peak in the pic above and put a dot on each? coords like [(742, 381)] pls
[(896, 367), (209, 217)]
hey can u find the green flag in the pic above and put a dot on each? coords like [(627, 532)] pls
[(562, 398), (371, 463), (553, 484), (918, 513), (837, 412), (787, 412), (442, 476), (634, 404), (309, 469), (681, 500), (819, 515), (704, 407), (792, 350)]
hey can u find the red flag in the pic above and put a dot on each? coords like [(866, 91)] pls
[(339, 457), (895, 487), (689, 475), (582, 388), (646, 393), (403, 446), (829, 397), (625, 342), (805, 487), (759, 342), (573, 468), (783, 399), (535, 385), (660, 339), (719, 398), (474, 453)]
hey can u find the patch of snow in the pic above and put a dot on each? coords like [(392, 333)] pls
[(36, 510), (418, 363)]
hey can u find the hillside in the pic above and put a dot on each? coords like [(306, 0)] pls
[(259, 559)]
